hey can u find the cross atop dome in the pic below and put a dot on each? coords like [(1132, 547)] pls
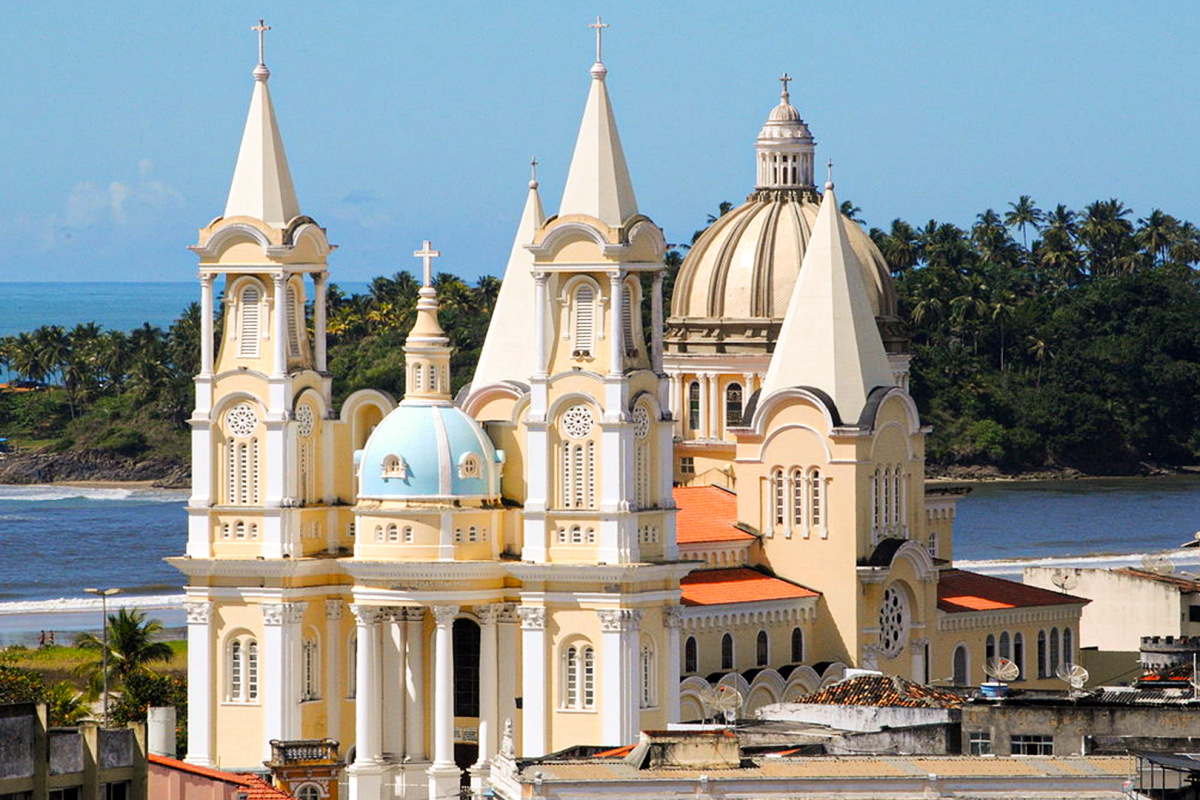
[(785, 79)]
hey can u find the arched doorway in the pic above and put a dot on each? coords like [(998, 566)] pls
[(466, 694)]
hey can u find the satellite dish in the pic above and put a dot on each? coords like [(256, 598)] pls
[(1002, 669), (1073, 675), (1158, 564), (1064, 580), (721, 700)]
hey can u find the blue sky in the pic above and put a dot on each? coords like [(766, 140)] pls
[(410, 121)]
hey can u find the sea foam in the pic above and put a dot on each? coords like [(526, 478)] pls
[(76, 604), (49, 493)]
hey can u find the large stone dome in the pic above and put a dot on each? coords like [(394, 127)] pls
[(735, 283)]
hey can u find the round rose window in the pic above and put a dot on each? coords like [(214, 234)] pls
[(577, 422), (641, 422), (241, 420), (305, 421), (893, 622)]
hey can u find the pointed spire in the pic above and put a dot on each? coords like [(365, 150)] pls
[(507, 353), (829, 339), (427, 349), (598, 182), (262, 183)]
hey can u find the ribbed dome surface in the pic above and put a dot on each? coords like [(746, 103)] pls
[(784, 112), (419, 451), (746, 264)]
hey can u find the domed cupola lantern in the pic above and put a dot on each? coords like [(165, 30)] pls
[(785, 147)]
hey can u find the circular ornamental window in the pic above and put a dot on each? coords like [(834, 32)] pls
[(641, 422), (241, 420), (577, 422), (893, 621), (305, 421)]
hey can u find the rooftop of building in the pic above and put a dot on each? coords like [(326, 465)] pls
[(707, 514), (1187, 584), (960, 591), (711, 587), (254, 787), (882, 690)]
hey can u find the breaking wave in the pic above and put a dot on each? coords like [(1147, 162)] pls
[(50, 493), (76, 604)]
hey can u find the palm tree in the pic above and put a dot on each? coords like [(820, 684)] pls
[(1157, 234), (131, 648), (1024, 213), (900, 246), (851, 212), (65, 705)]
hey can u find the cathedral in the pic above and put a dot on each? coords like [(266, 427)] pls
[(603, 526)]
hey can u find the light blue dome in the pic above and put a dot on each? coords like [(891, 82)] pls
[(421, 451)]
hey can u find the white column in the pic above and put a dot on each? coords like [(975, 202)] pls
[(704, 432), (533, 681), (392, 679), (671, 669), (319, 311), (280, 659), (206, 324), (280, 328), (619, 678), (507, 666), (616, 344), (540, 332), (656, 324), (368, 747), (488, 669), (333, 669), (414, 685), (201, 683), (680, 409), (443, 773), (714, 406)]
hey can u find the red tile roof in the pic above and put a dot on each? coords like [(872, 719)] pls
[(712, 587), (960, 591), (253, 786), (883, 690), (707, 514), (616, 752)]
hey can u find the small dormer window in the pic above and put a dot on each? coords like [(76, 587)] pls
[(468, 466), (394, 467)]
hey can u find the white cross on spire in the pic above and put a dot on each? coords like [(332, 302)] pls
[(829, 172), (262, 29), (533, 165), (427, 254), (599, 26), (785, 79)]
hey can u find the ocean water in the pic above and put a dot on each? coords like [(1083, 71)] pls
[(57, 540)]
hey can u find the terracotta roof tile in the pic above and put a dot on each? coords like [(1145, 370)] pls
[(882, 690), (259, 789), (712, 587), (960, 591), (207, 772), (707, 514)]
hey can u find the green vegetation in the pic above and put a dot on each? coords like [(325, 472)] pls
[(1040, 340)]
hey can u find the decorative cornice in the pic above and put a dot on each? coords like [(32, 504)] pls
[(764, 611), (617, 620), (600, 573), (969, 620), (282, 613), (272, 568), (533, 618), (426, 573), (199, 612)]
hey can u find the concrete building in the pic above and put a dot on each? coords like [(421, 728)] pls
[(84, 762)]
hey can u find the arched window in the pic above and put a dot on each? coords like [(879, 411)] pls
[(691, 656), (240, 530), (989, 648), (762, 650), (1068, 647), (627, 321), (308, 791), (408, 534), (250, 324), (417, 376), (875, 507), (584, 306), (465, 640), (642, 474), (933, 544), (310, 688), (295, 318), (961, 666), (1005, 648), (816, 499), (1054, 651), (579, 677), (242, 667), (733, 405), (577, 473), (778, 495), (693, 406), (648, 694), (796, 481), (1043, 656), (393, 533), (797, 645), (727, 651), (241, 456), (1018, 655)]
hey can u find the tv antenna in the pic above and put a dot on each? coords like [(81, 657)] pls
[(1064, 580), (1073, 675), (1158, 564), (723, 701), (1002, 669)]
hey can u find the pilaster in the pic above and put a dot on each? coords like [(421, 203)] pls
[(201, 683), (281, 662), (533, 676), (619, 679)]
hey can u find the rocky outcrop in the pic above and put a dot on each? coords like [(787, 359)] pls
[(92, 466)]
